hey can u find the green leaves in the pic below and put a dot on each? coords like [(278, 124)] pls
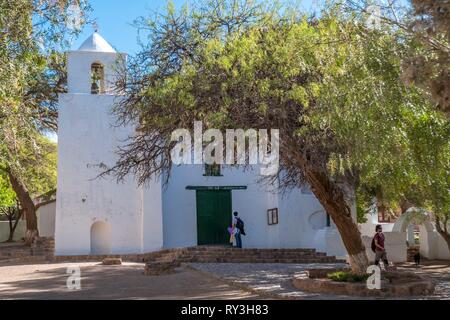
[(331, 86), (7, 195), (32, 74)]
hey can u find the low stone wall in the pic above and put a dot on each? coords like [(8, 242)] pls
[(100, 258), (112, 262), (160, 268), (43, 246)]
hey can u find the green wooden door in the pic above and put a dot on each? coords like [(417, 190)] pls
[(213, 217)]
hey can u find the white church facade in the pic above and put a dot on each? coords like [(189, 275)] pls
[(100, 216)]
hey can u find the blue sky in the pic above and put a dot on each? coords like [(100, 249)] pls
[(114, 18)]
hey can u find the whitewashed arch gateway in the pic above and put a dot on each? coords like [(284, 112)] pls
[(419, 216), (428, 235), (100, 238)]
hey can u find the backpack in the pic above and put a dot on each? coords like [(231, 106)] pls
[(240, 225), (374, 247)]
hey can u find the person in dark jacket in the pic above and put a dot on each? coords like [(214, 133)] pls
[(238, 225), (380, 251)]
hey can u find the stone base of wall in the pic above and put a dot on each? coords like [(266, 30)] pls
[(43, 247), (112, 262), (160, 268)]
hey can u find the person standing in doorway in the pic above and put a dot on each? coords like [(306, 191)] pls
[(380, 251), (238, 226)]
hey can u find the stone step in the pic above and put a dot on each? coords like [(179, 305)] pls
[(300, 261), (220, 254), (227, 249), (244, 258), (246, 252), (252, 260), (44, 249)]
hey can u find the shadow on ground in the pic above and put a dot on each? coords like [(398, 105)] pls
[(48, 281)]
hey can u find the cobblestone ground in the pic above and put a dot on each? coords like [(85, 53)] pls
[(98, 282), (275, 280), (267, 279), (437, 270)]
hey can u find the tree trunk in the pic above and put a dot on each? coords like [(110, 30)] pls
[(332, 198), (27, 205), (13, 227), (443, 231)]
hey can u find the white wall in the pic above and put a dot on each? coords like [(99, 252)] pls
[(46, 220), (303, 224), (85, 140), (180, 209), (368, 228), (442, 251), (18, 234), (295, 229), (432, 245), (152, 217), (395, 244)]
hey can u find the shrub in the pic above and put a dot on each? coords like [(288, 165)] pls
[(347, 276)]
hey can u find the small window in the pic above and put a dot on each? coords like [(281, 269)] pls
[(328, 220), (213, 170), (97, 78), (272, 216), (384, 217)]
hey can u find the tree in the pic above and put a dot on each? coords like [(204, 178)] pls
[(8, 206), (38, 177), (420, 178), (426, 22), (31, 77), (13, 214), (330, 85), (7, 195)]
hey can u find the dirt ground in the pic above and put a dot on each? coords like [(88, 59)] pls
[(98, 282)]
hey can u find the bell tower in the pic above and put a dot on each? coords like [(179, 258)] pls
[(91, 68), (98, 215)]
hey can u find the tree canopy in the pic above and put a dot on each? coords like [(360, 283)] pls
[(32, 74), (331, 85)]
